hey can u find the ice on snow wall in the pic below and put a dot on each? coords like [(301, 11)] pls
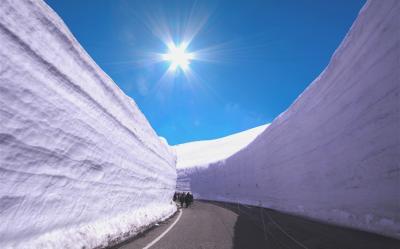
[(334, 154), (79, 163)]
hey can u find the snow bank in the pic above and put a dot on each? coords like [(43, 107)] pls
[(334, 154), (79, 163), (203, 153)]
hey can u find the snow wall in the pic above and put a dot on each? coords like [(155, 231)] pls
[(334, 155), (202, 153), (79, 163)]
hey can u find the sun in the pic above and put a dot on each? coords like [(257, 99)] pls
[(178, 57)]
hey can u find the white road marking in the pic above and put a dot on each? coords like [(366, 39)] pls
[(165, 232)]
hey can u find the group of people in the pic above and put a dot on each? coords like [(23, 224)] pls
[(183, 197)]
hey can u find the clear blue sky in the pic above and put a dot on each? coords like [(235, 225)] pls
[(266, 53)]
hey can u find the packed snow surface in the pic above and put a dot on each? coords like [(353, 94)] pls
[(334, 155), (202, 153), (79, 163)]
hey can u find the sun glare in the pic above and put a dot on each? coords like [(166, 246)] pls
[(178, 57)]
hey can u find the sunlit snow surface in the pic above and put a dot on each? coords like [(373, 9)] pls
[(334, 154), (79, 163), (202, 153), (193, 155)]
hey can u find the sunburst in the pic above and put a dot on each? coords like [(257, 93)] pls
[(178, 57)]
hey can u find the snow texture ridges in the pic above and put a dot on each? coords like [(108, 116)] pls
[(79, 163), (334, 155)]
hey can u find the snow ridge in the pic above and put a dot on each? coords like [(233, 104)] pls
[(201, 154), (79, 163), (333, 154)]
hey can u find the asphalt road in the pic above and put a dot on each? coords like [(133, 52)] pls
[(215, 225)]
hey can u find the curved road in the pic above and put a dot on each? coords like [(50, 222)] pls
[(215, 225)]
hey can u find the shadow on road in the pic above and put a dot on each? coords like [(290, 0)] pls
[(265, 228)]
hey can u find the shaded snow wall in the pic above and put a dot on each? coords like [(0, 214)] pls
[(79, 163), (334, 154)]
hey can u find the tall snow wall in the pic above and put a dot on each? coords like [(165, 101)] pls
[(79, 163), (334, 155)]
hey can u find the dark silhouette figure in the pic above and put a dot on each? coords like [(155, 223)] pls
[(182, 198), (188, 199)]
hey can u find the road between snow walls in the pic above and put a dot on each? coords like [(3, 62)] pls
[(79, 163), (333, 155)]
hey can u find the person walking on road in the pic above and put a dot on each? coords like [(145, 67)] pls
[(188, 199), (182, 198)]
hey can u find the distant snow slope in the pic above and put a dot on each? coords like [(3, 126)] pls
[(202, 153), (79, 163), (334, 154)]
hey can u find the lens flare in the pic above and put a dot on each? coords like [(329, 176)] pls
[(178, 57)]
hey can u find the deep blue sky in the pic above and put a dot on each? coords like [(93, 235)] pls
[(272, 51)]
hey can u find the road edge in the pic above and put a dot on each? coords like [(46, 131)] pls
[(118, 243)]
